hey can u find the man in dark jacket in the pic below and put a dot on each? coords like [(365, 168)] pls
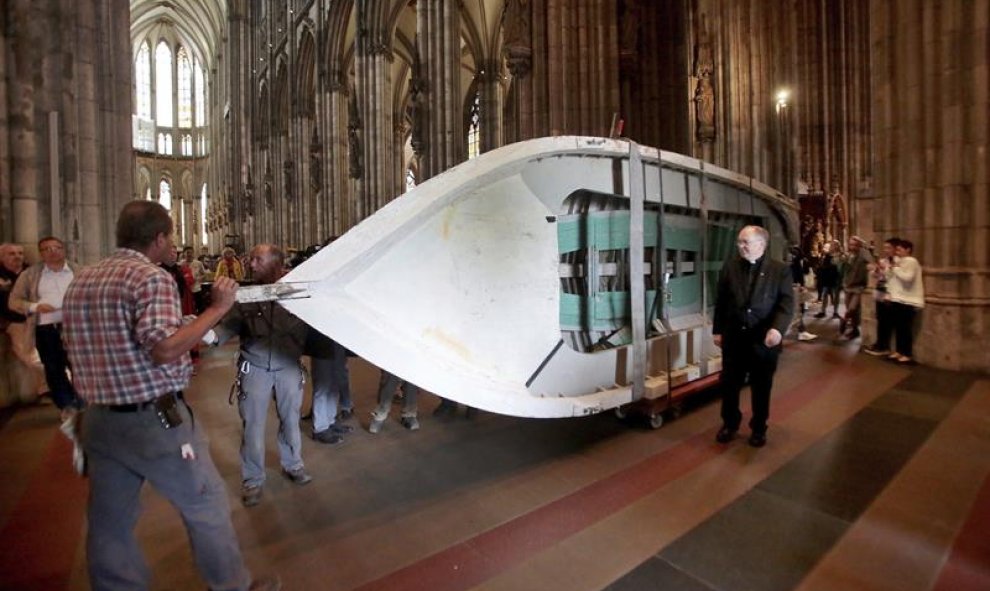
[(854, 282), (271, 347), (753, 308)]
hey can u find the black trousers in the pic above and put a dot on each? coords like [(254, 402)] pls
[(885, 325), (48, 340), (744, 356), (902, 316)]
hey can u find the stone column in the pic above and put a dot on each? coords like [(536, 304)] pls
[(337, 181), (931, 125), (26, 29), (583, 60), (69, 96), (373, 83), (6, 205), (334, 115), (235, 159), (438, 27), (490, 103), (517, 49)]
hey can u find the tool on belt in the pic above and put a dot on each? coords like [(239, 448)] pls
[(236, 390)]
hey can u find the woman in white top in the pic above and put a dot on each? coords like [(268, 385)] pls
[(906, 292)]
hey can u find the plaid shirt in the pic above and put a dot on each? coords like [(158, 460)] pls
[(114, 315)]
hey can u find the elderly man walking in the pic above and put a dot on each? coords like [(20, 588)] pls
[(753, 308)]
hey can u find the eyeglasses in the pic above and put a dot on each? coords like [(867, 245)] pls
[(54, 248)]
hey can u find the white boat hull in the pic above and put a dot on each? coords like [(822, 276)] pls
[(456, 285)]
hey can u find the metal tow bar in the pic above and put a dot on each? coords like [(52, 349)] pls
[(273, 292)]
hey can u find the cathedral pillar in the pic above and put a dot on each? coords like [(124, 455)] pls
[(334, 117), (69, 97), (234, 160), (583, 59), (931, 126), (517, 49), (373, 82), (23, 141), (439, 45), (339, 208), (490, 103)]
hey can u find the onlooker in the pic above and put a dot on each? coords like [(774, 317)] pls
[(128, 346), (799, 269), (754, 305), (854, 281), (828, 278), (331, 388), (271, 347), (11, 266), (881, 297), (28, 372), (907, 296), (198, 272), (230, 266), (448, 408), (387, 385), (38, 294), (183, 280)]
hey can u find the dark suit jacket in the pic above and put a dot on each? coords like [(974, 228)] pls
[(770, 306)]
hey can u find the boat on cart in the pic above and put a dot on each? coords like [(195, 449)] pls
[(554, 277)]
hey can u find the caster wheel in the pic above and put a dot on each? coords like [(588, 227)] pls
[(656, 420), (620, 412)]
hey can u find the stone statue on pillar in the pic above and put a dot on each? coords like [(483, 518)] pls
[(629, 30), (315, 166), (704, 91), (288, 178), (355, 161), (269, 198), (248, 198)]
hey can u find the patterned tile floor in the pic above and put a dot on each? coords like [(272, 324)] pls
[(875, 477)]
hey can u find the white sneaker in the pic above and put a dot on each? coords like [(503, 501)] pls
[(376, 425), (68, 428), (78, 459), (68, 425), (806, 336)]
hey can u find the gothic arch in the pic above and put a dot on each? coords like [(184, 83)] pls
[(338, 38), (263, 119), (467, 104), (186, 182), (143, 182), (280, 99), (306, 72), (405, 49), (394, 17)]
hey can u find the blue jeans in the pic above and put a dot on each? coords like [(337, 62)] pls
[(331, 388), (257, 385), (126, 449), (387, 385)]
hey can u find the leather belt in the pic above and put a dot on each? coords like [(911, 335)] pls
[(139, 406), (51, 326)]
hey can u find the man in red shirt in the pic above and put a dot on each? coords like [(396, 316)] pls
[(130, 355)]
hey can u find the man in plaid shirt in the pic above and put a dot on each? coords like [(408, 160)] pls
[(130, 355)]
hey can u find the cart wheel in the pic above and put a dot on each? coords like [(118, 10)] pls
[(620, 412), (656, 420), (675, 412)]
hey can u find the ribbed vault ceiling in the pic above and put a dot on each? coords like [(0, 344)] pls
[(199, 23)]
